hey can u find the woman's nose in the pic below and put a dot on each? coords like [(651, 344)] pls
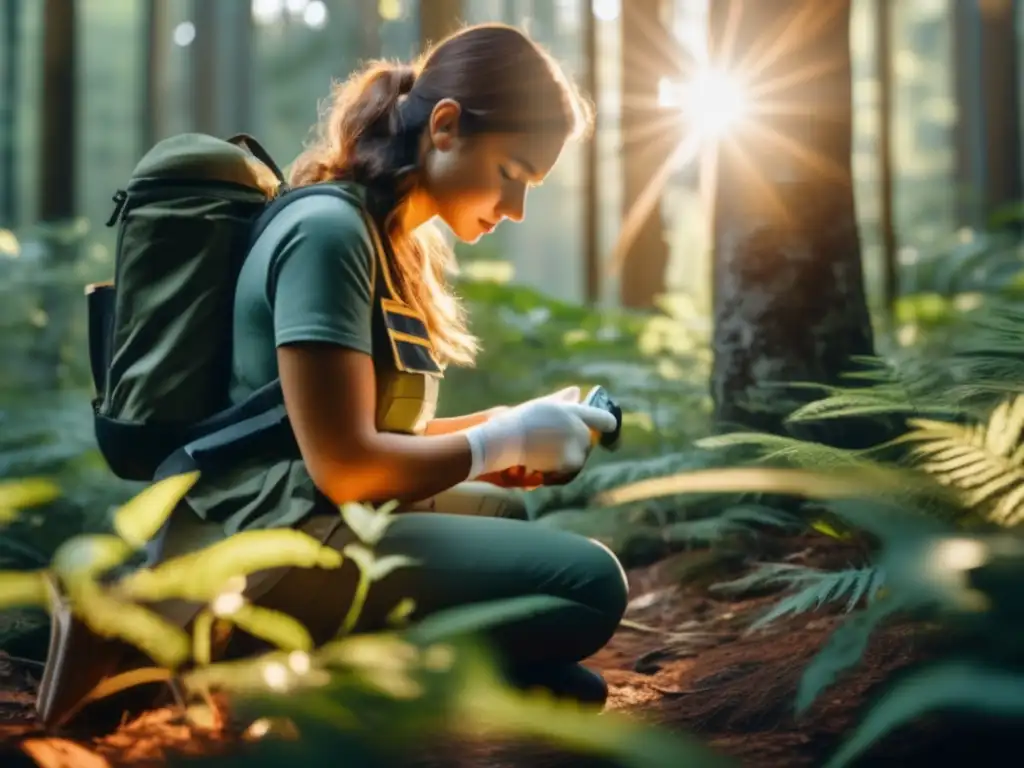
[(513, 207)]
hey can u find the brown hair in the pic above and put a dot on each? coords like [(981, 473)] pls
[(370, 134)]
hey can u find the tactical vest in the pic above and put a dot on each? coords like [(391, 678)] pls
[(407, 371)]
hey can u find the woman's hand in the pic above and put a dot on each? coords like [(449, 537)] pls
[(540, 436)]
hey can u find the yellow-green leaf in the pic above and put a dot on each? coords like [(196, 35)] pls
[(162, 641), (87, 556), (822, 527), (139, 520), (203, 575), (24, 589), (400, 614), (16, 495), (273, 626), (376, 568), (367, 524)]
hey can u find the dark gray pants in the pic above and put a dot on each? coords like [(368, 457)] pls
[(544, 599)]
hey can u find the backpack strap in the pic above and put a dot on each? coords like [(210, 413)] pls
[(245, 141), (259, 422)]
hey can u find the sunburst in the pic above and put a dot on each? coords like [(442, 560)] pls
[(726, 103)]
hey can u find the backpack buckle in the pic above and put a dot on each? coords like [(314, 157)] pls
[(120, 199)]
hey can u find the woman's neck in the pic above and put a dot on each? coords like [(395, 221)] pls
[(416, 209)]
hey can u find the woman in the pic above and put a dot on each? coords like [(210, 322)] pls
[(343, 297), (460, 136)]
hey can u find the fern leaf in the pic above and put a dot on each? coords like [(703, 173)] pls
[(963, 685), (852, 584), (844, 648), (984, 462), (793, 451), (819, 588), (732, 521)]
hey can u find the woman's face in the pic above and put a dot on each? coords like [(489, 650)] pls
[(475, 182)]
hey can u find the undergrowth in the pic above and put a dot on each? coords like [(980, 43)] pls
[(940, 505)]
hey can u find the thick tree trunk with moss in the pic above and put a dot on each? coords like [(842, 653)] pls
[(789, 298)]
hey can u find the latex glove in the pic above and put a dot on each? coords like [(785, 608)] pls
[(543, 436)]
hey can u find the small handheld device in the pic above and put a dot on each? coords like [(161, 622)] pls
[(598, 397)]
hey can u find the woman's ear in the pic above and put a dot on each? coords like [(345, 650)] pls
[(443, 128)]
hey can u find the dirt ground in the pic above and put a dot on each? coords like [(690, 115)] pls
[(683, 659)]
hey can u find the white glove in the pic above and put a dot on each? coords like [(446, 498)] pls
[(543, 436), (567, 395)]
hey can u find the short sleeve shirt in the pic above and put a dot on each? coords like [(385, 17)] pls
[(308, 278)]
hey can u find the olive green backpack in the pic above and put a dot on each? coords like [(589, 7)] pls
[(160, 333)]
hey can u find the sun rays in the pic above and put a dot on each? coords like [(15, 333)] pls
[(729, 103)]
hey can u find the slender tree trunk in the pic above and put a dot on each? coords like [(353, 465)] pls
[(789, 299), (58, 180), (644, 45), (10, 49), (58, 161)]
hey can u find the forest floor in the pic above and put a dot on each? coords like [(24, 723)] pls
[(683, 659)]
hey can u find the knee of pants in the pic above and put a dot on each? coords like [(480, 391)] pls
[(608, 588)]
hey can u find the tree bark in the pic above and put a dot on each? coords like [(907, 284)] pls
[(789, 298)]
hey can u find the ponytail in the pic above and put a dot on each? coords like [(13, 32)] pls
[(360, 139)]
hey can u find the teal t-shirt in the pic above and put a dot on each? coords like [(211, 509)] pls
[(308, 277)]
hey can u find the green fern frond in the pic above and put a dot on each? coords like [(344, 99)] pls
[(844, 648), (819, 587), (791, 450), (842, 404), (984, 462), (988, 363), (736, 520), (953, 684)]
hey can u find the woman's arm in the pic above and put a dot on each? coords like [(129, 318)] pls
[(330, 396)]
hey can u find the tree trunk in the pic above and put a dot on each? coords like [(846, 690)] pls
[(645, 46), (789, 299), (58, 161), (58, 180), (9, 92)]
